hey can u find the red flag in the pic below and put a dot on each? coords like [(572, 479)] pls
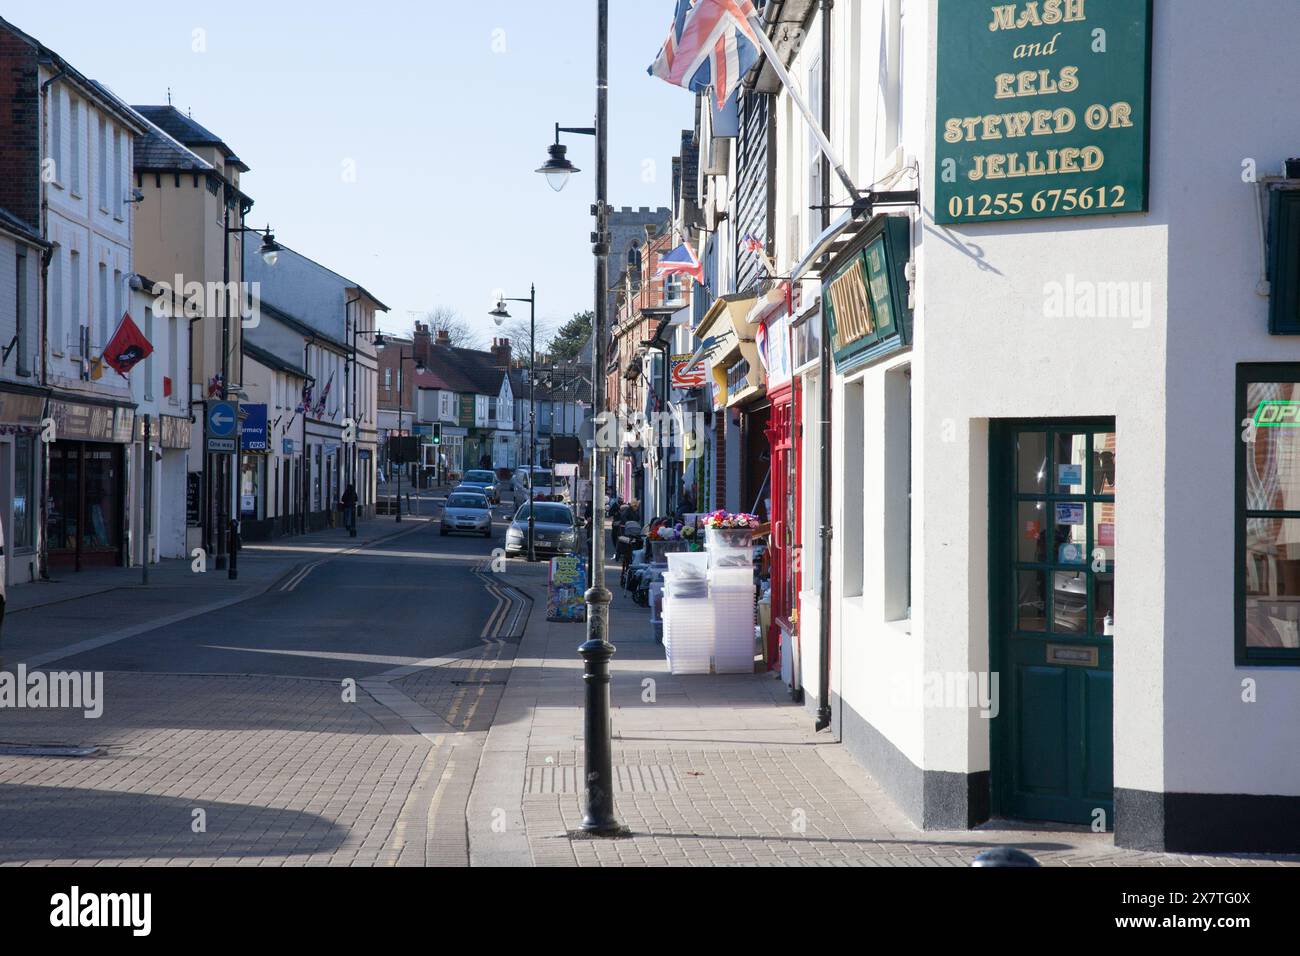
[(127, 347)]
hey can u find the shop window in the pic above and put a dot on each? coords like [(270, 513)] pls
[(897, 524), (1268, 514), (24, 490), (853, 484)]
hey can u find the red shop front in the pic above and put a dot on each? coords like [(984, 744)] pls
[(783, 443)]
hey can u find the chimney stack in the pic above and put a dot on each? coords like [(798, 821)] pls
[(421, 343), (501, 352), (443, 338)]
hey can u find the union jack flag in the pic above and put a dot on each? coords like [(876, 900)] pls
[(214, 385), (319, 410), (305, 405), (752, 244), (681, 261), (711, 43)]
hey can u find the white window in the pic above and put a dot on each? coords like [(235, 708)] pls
[(897, 498), (74, 158), (119, 305), (99, 338), (74, 328), (56, 132), (148, 363), (173, 357), (103, 164), (852, 483), (56, 300), (119, 197), (813, 221)]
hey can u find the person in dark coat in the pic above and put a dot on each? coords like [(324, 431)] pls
[(349, 502)]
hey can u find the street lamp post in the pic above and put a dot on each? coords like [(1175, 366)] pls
[(596, 651), (402, 358), (499, 315), (270, 252)]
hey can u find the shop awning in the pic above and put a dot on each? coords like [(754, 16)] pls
[(727, 324)]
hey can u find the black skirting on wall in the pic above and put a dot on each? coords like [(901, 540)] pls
[(932, 799), (1207, 822)]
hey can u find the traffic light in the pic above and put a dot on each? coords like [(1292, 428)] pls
[(437, 433)]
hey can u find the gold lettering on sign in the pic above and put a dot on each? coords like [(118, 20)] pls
[(1053, 12), (849, 299)]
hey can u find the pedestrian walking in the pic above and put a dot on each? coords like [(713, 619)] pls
[(349, 505)]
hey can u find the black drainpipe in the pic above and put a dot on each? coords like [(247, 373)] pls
[(824, 599)]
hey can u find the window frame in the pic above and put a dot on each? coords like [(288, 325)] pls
[(1250, 373)]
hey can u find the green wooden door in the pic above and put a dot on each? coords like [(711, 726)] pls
[(1052, 588)]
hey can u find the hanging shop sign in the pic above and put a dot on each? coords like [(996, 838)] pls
[(1042, 109), (685, 375), (865, 296)]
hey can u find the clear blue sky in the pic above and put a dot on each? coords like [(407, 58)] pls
[(445, 131)]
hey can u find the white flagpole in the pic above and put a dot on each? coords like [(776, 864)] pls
[(814, 125)]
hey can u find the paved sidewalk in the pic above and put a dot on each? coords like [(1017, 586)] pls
[(710, 770)]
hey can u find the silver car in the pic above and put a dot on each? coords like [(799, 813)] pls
[(554, 530), (482, 480), (467, 510)]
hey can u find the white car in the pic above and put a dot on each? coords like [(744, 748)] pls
[(467, 511), (544, 487)]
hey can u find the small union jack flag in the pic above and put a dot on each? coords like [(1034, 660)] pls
[(711, 43), (681, 261), (752, 244)]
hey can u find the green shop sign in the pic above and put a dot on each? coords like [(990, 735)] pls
[(865, 296), (1042, 109)]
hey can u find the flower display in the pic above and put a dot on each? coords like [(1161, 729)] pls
[(727, 519)]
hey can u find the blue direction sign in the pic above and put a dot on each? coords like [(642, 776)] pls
[(252, 428), (222, 426)]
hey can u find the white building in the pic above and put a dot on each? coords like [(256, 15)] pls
[(341, 316), (22, 401), (159, 388), (67, 174), (1038, 471)]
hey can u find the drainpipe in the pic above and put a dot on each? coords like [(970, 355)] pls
[(824, 603)]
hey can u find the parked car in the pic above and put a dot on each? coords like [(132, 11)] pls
[(554, 530), (481, 479), (467, 511)]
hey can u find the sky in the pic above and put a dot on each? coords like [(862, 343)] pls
[(395, 142)]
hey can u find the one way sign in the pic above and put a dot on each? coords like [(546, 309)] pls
[(222, 426)]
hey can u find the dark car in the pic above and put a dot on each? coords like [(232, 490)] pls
[(554, 530)]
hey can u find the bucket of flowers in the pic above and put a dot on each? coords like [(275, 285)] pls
[(727, 531), (664, 539)]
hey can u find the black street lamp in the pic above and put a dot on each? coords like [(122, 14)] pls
[(596, 651), (270, 252), (499, 315), (402, 358), (352, 458)]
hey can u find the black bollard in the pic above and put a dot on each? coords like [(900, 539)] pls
[(1004, 856), (599, 782)]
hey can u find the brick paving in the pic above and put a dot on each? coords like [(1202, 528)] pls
[(285, 771), (725, 770)]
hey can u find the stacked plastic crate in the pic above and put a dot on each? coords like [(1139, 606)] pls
[(688, 614)]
